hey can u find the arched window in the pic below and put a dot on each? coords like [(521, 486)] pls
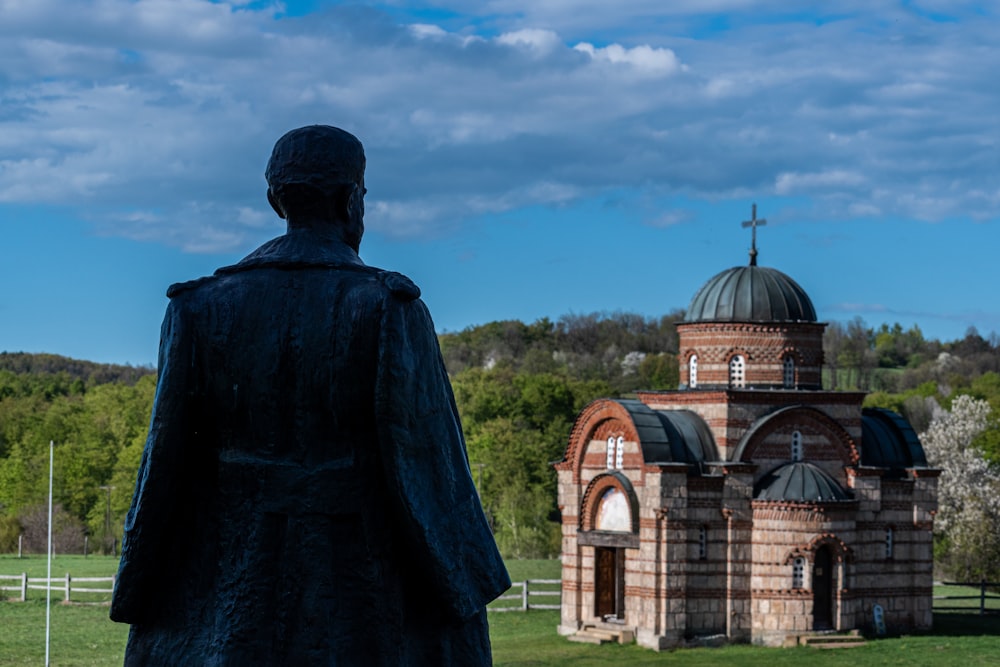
[(703, 542), (788, 372), (611, 452), (796, 446), (613, 512), (888, 543), (798, 572), (693, 371), (737, 371)]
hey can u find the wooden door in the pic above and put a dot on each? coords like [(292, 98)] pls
[(822, 585), (609, 584)]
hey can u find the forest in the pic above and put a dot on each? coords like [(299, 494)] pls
[(518, 387)]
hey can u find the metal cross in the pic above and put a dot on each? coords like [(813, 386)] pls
[(753, 222)]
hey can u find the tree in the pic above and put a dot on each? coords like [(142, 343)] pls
[(967, 527)]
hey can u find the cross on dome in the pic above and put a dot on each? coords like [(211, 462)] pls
[(754, 222)]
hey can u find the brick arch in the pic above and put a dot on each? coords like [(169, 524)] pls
[(797, 417), (841, 552), (793, 352), (595, 490), (733, 351), (591, 418)]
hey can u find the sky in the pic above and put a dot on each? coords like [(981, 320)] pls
[(526, 158)]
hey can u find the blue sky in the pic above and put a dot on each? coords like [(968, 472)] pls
[(526, 158)]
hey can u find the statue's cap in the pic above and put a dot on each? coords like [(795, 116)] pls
[(320, 156)]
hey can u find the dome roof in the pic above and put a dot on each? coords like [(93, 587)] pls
[(799, 482), (888, 441), (671, 436), (751, 294)]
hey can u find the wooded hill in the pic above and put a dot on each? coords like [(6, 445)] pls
[(518, 388)]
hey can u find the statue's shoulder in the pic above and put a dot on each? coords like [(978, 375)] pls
[(398, 285), (187, 286)]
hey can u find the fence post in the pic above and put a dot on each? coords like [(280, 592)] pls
[(524, 595), (982, 597), (67, 588), (24, 586)]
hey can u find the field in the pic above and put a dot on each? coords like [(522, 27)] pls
[(83, 635)]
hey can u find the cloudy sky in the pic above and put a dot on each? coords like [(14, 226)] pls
[(526, 158)]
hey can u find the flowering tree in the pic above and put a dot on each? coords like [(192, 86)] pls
[(967, 526)]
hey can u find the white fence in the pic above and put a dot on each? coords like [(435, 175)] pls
[(530, 589), (543, 589), (66, 585)]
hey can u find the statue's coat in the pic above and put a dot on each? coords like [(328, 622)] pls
[(304, 496)]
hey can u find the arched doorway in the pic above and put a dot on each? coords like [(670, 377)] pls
[(822, 586), (609, 525), (609, 584)]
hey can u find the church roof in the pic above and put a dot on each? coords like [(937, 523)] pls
[(671, 436), (799, 481), (751, 294), (888, 441)]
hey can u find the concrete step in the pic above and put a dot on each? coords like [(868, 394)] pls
[(590, 634), (830, 645), (851, 639)]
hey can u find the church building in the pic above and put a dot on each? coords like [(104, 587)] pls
[(749, 505)]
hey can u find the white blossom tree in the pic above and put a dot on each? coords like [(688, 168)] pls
[(967, 526)]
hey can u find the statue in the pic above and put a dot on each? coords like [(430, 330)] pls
[(304, 496)]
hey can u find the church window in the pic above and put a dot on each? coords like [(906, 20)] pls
[(788, 372), (613, 512), (703, 542), (693, 371), (798, 572), (737, 371), (619, 452), (888, 543), (796, 446), (611, 452)]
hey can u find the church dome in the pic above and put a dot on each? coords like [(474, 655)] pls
[(751, 294), (888, 441), (800, 482)]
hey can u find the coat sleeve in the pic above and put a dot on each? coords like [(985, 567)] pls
[(150, 526), (426, 465)]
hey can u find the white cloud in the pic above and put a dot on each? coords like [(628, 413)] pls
[(541, 42), (793, 183), (427, 31), (173, 107), (643, 58)]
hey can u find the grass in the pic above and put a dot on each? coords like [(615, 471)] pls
[(972, 596), (82, 635)]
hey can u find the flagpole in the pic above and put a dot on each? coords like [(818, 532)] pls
[(48, 588)]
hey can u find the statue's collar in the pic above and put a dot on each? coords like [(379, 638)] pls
[(299, 248)]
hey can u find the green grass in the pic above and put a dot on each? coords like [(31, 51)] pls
[(972, 603), (78, 566), (960, 640), (83, 634)]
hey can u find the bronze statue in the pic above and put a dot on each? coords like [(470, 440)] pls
[(304, 496)]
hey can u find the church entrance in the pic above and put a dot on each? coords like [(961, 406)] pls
[(609, 587), (822, 585)]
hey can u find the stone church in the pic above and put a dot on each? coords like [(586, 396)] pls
[(750, 505)]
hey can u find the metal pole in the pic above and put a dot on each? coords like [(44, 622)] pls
[(48, 576)]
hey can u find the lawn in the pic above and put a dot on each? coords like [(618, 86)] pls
[(83, 635)]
